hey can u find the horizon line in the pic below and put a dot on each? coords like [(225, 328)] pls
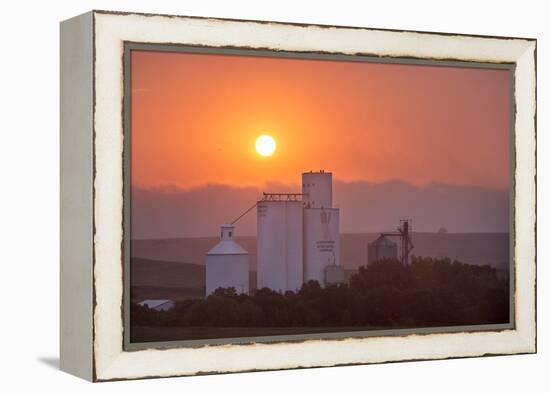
[(344, 233)]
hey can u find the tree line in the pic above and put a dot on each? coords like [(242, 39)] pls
[(427, 292)]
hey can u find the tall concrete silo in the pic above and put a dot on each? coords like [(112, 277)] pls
[(321, 228), (279, 242), (317, 189), (227, 264)]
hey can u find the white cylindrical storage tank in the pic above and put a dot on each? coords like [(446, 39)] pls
[(227, 264), (317, 189), (279, 245), (321, 242), (381, 248)]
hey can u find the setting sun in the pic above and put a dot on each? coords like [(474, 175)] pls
[(265, 145)]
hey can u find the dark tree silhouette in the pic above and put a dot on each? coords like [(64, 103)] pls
[(429, 292)]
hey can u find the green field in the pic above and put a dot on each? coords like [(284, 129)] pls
[(155, 279)]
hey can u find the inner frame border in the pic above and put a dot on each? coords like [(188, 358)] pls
[(129, 46)]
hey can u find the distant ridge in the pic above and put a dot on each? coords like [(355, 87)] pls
[(473, 248)]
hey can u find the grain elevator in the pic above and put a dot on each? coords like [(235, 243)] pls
[(227, 264), (298, 236), (279, 242), (321, 230), (297, 240)]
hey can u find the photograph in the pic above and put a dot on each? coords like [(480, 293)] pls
[(283, 195)]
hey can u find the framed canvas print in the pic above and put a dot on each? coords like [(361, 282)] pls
[(247, 195)]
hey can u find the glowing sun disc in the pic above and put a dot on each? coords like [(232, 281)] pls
[(265, 145)]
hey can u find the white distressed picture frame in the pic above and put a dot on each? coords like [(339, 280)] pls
[(92, 203)]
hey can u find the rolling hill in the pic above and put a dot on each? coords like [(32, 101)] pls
[(473, 248), (156, 279)]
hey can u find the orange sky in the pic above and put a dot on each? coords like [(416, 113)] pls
[(195, 118)]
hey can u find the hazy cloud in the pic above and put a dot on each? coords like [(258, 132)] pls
[(170, 211)]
